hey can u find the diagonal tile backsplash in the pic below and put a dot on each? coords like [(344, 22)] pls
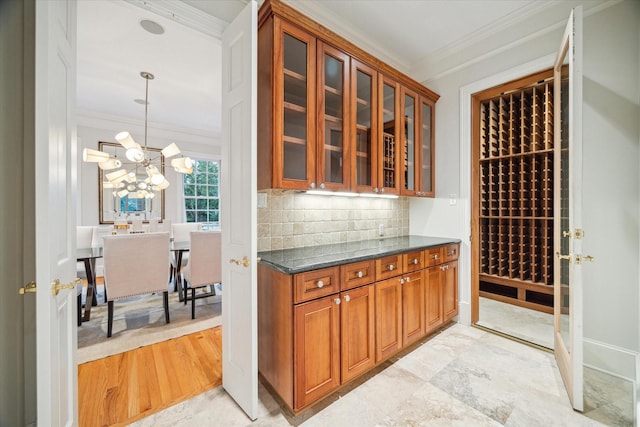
[(294, 220)]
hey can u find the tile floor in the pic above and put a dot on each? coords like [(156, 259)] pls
[(461, 376)]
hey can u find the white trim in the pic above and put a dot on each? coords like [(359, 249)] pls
[(613, 360), (465, 158), (184, 14)]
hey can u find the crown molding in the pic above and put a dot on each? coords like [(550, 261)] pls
[(184, 14), (336, 23), (115, 123)]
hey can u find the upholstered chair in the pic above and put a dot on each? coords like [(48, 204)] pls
[(205, 267), (135, 264), (180, 233)]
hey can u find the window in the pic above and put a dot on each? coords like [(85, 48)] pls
[(202, 195)]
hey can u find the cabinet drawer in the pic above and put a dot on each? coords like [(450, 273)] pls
[(356, 274), (315, 284), (450, 252), (413, 261), (388, 267), (433, 256)]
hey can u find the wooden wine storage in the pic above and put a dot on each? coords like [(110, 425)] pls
[(514, 184)]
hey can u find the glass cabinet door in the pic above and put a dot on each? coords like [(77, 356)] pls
[(426, 148), (389, 138), (364, 81), (333, 164), (409, 153), (296, 103)]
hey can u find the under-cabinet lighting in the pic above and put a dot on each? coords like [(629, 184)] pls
[(349, 194)]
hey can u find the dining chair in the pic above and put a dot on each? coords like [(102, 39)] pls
[(86, 237), (205, 267), (180, 233), (135, 264)]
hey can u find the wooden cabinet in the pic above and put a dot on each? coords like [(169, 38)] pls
[(357, 338), (317, 349), (333, 117), (413, 307), (322, 328), (388, 317), (426, 172)]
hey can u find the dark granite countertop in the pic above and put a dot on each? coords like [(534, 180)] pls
[(299, 260)]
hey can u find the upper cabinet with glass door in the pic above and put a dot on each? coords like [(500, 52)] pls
[(333, 97), (426, 173), (331, 116)]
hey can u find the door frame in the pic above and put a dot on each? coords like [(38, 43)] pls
[(469, 293)]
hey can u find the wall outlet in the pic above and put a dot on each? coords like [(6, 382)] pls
[(262, 200), (381, 230)]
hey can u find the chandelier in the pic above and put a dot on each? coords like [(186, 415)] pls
[(125, 181)]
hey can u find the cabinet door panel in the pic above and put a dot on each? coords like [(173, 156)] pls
[(426, 171), (317, 350), (413, 311), (450, 289), (356, 274), (410, 153), (357, 314), (433, 297), (294, 151), (388, 302), (364, 129), (413, 261), (450, 252), (389, 266), (333, 107), (433, 256), (389, 137), (316, 283)]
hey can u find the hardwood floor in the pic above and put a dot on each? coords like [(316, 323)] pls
[(126, 387)]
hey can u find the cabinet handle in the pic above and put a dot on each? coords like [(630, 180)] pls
[(337, 301), (390, 267), (436, 256), (407, 279), (415, 261), (322, 186), (401, 281), (319, 283), (444, 267), (360, 274), (450, 253), (347, 298), (313, 185)]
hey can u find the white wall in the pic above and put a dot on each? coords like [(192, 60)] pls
[(94, 128), (611, 136)]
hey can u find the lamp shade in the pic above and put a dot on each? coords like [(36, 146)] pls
[(135, 154), (170, 150), (122, 193), (116, 176), (164, 184), (125, 139), (110, 164), (182, 164), (95, 156)]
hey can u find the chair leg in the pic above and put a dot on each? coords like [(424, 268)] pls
[(193, 303), (165, 297), (109, 318), (79, 311), (184, 292)]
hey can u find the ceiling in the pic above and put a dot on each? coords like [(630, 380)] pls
[(113, 48)]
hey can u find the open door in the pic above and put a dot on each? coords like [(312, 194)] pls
[(55, 207), (239, 214), (568, 230)]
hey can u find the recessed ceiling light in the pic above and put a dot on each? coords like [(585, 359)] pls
[(152, 26), (139, 101)]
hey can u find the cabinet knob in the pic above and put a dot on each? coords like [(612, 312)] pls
[(313, 185), (347, 298), (360, 274), (337, 301), (382, 190), (436, 256), (319, 283), (407, 279), (390, 267), (401, 281), (450, 253), (444, 267), (322, 185), (415, 261), (375, 190)]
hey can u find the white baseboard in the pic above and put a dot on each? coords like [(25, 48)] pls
[(464, 313), (616, 361)]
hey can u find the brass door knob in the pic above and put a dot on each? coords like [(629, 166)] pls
[(56, 287), (243, 262)]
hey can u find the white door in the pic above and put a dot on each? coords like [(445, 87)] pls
[(55, 147), (568, 232), (239, 215)]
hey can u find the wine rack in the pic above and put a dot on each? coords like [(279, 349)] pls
[(515, 203)]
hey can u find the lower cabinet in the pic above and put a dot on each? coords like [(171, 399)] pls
[(316, 349), (311, 342), (357, 337), (388, 317)]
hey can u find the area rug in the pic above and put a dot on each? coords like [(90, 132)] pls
[(139, 321)]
